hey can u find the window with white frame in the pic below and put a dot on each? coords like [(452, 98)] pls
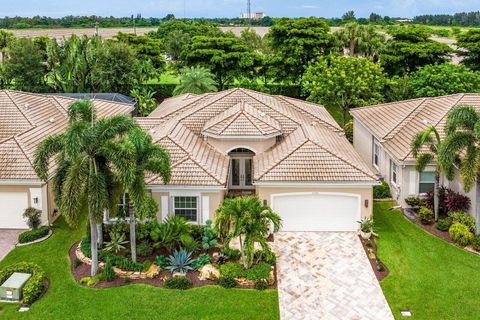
[(376, 153), (426, 182), (186, 207), (393, 172)]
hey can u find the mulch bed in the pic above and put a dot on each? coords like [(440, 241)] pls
[(374, 262), (83, 270), (433, 230)]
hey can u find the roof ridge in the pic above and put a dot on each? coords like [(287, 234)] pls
[(172, 166), (23, 151), (19, 109), (360, 109), (59, 105), (248, 115), (404, 121), (233, 117)]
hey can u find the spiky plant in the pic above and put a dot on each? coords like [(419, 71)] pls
[(180, 261), (117, 242), (195, 80)]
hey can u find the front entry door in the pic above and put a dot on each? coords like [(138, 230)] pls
[(241, 173)]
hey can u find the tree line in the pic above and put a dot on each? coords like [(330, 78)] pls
[(464, 19)]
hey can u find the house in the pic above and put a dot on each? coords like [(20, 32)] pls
[(383, 134), (291, 153), (25, 120)]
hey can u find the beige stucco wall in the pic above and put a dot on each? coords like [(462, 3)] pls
[(366, 193), (225, 146), (363, 143)]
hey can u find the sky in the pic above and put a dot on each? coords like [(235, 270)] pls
[(232, 8)]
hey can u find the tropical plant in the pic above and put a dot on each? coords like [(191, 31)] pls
[(161, 261), (117, 242), (144, 249), (146, 102), (461, 234), (367, 225), (443, 224), (201, 260), (180, 261), (248, 219), (208, 239), (196, 80), (361, 40), (425, 215), (465, 219), (33, 217), (5, 38), (108, 273), (92, 158)]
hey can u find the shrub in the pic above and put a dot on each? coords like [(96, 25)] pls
[(348, 129), (108, 273), (32, 235), (202, 260), (461, 234), (259, 271), (266, 256), (261, 285), (231, 254), (144, 249), (161, 261), (34, 286), (77, 262), (425, 215), (380, 266), (33, 217), (226, 282), (415, 202), (369, 243), (464, 218), (127, 280), (117, 261), (449, 200), (90, 281), (233, 270), (182, 283), (220, 259), (382, 191), (443, 225), (208, 239), (476, 243), (143, 229), (117, 242), (180, 261)]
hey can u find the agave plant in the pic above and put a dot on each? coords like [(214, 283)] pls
[(116, 243), (180, 261)]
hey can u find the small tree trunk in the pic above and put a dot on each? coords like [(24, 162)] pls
[(242, 252), (344, 116), (351, 48), (93, 245), (436, 195), (100, 235), (133, 243)]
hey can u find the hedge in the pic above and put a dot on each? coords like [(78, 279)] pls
[(32, 235), (34, 286)]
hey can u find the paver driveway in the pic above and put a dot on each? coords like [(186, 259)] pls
[(327, 275), (8, 240)]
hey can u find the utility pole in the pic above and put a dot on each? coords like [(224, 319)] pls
[(134, 26), (184, 9), (249, 12)]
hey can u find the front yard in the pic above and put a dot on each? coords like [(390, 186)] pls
[(65, 299), (432, 278)]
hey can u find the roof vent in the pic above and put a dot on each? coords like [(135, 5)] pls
[(51, 120), (262, 114), (314, 123), (425, 121), (27, 106), (152, 131)]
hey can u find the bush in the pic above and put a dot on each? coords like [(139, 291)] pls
[(233, 270), (266, 256), (425, 215), (231, 254), (464, 218), (182, 283), (144, 249), (259, 271), (476, 243), (34, 286), (108, 273), (348, 129), (208, 239), (161, 261), (382, 191), (33, 217), (202, 260), (226, 282), (261, 285), (117, 261), (449, 201), (180, 261), (77, 263), (380, 267), (90, 281), (461, 234), (415, 202), (443, 225), (32, 235)]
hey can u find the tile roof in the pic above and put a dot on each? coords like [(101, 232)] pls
[(27, 118), (395, 124)]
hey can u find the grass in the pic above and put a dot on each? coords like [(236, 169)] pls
[(432, 278), (66, 299)]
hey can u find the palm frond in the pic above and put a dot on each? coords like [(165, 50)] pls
[(423, 160), (44, 152), (461, 117), (81, 110), (74, 190), (111, 127)]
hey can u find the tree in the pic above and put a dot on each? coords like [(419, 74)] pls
[(92, 159), (249, 220), (469, 45), (348, 16), (461, 148), (443, 79), (425, 147), (253, 41), (176, 43), (410, 49), (5, 39), (361, 40), (145, 48), (144, 97), (344, 82), (149, 158), (195, 80), (375, 18), (25, 68), (226, 57), (295, 43)]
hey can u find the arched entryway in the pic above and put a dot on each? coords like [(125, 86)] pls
[(241, 169)]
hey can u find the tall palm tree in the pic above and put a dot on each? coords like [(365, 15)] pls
[(90, 156), (195, 80), (248, 219), (461, 148), (149, 158), (348, 36), (425, 148), (361, 40)]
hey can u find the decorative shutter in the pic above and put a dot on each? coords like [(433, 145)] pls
[(205, 209)]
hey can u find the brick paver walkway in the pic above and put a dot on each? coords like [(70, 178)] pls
[(8, 240), (327, 275)]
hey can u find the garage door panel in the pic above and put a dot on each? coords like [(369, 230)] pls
[(318, 211), (12, 205)]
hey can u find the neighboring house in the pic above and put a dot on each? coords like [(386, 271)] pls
[(291, 153), (25, 120), (383, 134)]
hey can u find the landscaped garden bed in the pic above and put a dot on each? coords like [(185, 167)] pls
[(367, 237)]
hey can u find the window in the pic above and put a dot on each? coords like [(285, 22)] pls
[(185, 207), (376, 153), (393, 172), (427, 182), (124, 206)]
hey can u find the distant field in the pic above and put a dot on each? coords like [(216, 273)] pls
[(106, 33)]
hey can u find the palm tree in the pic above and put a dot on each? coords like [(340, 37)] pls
[(348, 36), (249, 220), (425, 147), (195, 80), (151, 158), (5, 39), (360, 40), (461, 149), (91, 156)]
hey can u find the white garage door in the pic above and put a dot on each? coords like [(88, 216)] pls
[(317, 211), (12, 205)]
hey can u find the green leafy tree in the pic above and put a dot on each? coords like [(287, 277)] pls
[(248, 219), (410, 49), (145, 48), (92, 158), (145, 99), (176, 43), (443, 79), (5, 38), (469, 44), (195, 80), (253, 40), (361, 40), (348, 16), (344, 82)]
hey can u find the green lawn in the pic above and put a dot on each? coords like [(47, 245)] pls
[(430, 277), (66, 299)]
